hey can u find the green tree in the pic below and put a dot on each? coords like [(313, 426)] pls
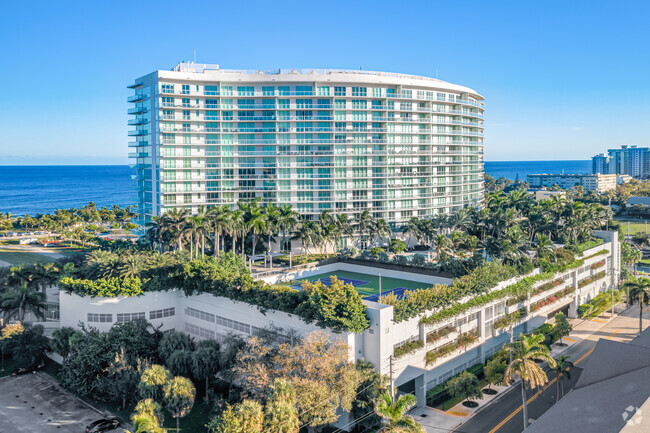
[(206, 362), (153, 382), (337, 306), (60, 341), (562, 326), (171, 342), (639, 292), (369, 391), (494, 372), (281, 412), (18, 301), (562, 369), (524, 353), (464, 385), (245, 417), (397, 246), (179, 398), (148, 417), (28, 347), (121, 380), (394, 414)]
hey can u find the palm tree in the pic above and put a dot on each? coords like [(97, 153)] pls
[(308, 233), (365, 223), (175, 221), (562, 369), (271, 217), (287, 221), (157, 228), (18, 301), (382, 230), (413, 229), (524, 353), (255, 222), (219, 217), (235, 225), (544, 248), (640, 292), (440, 243), (394, 414)]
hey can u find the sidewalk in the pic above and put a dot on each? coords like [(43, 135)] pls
[(434, 420)]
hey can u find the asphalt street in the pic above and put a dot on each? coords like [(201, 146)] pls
[(505, 415)]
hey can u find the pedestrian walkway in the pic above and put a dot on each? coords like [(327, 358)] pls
[(434, 420)]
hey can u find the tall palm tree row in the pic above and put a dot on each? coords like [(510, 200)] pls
[(507, 228)]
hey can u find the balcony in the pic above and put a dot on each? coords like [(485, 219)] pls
[(138, 132), (137, 121), (135, 98), (137, 110)]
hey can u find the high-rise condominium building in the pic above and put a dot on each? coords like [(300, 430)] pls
[(396, 145), (629, 160)]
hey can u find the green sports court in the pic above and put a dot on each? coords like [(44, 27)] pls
[(366, 284)]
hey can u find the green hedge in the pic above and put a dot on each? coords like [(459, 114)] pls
[(337, 307), (518, 291), (104, 287)]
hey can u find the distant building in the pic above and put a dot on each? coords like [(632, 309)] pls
[(629, 160), (545, 194), (645, 201), (623, 178), (600, 164), (591, 182)]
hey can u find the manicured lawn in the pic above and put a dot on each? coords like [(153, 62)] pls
[(14, 256), (635, 226), (372, 287)]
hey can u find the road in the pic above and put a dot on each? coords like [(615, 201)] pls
[(504, 416)]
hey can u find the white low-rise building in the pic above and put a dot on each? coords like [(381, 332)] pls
[(207, 316)]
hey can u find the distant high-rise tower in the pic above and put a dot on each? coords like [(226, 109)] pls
[(630, 160), (600, 164)]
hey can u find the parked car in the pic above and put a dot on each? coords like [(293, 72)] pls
[(26, 370), (102, 425)]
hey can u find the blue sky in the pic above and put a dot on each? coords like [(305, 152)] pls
[(562, 79)]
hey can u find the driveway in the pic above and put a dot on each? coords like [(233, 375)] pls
[(36, 403)]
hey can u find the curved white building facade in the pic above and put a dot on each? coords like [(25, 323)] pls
[(396, 145)]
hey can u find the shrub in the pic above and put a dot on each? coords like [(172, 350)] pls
[(400, 260), (419, 260), (397, 246), (103, 287), (408, 347)]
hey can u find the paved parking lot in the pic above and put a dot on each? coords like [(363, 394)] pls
[(36, 403)]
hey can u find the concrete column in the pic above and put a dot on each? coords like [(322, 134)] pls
[(481, 324), (573, 308), (421, 390)]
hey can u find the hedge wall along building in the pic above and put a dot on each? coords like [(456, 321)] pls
[(425, 352)]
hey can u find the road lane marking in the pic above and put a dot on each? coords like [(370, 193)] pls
[(544, 388)]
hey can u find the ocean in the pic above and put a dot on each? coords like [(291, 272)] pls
[(44, 189)]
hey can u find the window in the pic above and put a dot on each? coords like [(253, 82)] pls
[(339, 91), (268, 90), (359, 91), (102, 318), (323, 91), (129, 317), (198, 331), (165, 312), (185, 90), (200, 314), (167, 88), (304, 90), (233, 324), (245, 90), (211, 90)]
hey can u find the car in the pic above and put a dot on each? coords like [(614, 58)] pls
[(26, 370), (102, 425)]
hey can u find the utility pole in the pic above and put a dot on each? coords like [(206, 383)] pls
[(392, 383)]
